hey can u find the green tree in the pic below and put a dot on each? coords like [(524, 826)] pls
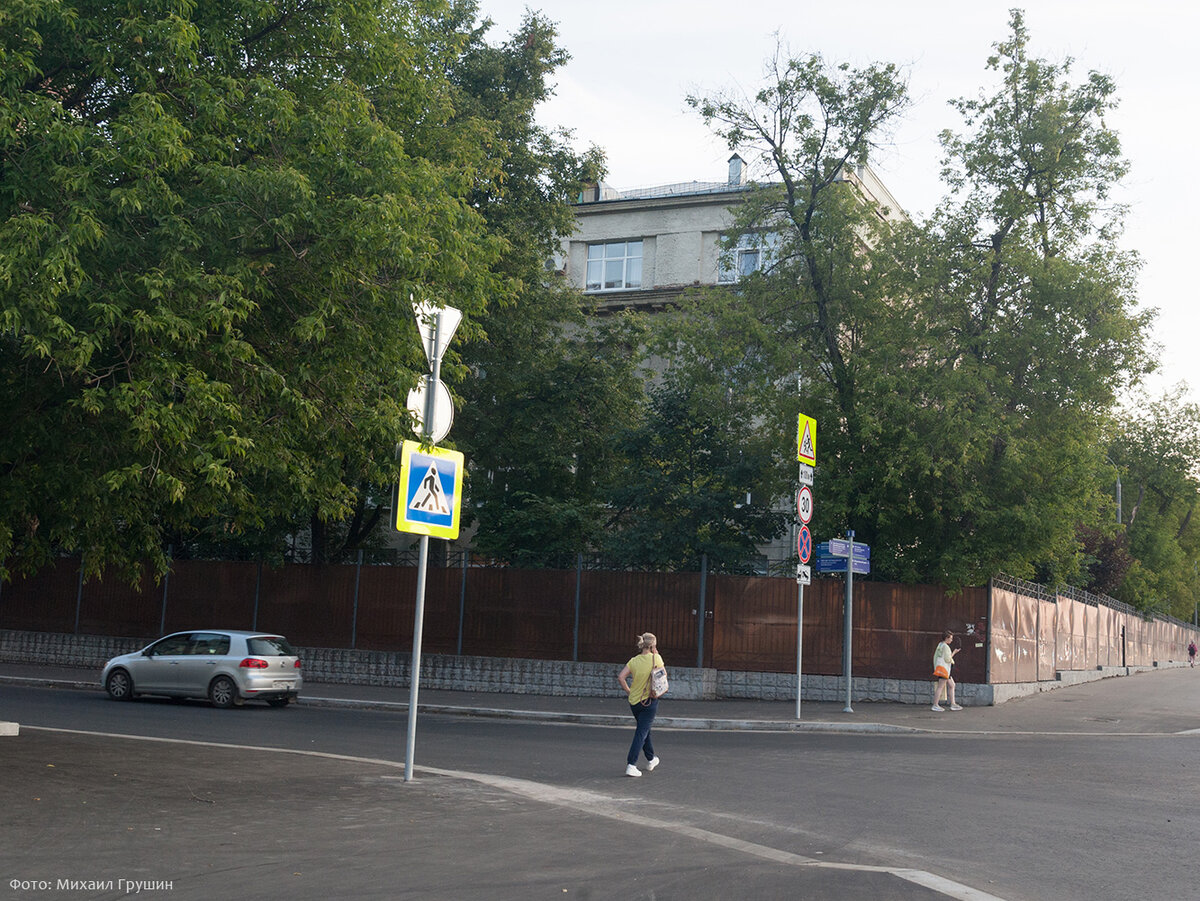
[(696, 484), (1158, 452), (817, 315), (960, 369), (1027, 304), (212, 217), (547, 388)]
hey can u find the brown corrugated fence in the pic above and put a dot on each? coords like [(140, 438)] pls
[(1010, 634)]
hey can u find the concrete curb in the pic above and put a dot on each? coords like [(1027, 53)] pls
[(600, 719), (542, 716)]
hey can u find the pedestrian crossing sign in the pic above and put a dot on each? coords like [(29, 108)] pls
[(429, 499), (806, 441)]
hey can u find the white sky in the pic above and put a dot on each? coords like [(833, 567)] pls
[(634, 61)]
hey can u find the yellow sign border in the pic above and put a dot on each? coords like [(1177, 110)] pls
[(409, 450), (812, 431)]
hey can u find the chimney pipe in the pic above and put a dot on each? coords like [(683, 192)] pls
[(737, 170)]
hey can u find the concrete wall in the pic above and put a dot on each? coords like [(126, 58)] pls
[(502, 675)]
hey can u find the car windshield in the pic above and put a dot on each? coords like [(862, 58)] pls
[(269, 646)]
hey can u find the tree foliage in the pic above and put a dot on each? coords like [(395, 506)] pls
[(546, 388), (212, 218), (1158, 455), (961, 369)]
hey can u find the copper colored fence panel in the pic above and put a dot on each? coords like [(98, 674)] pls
[(1002, 636), (203, 594), (1103, 633), (897, 628), (111, 606), (1065, 659), (1047, 629), (50, 601), (755, 620), (310, 604), (386, 601), (519, 613), (616, 607), (1025, 645)]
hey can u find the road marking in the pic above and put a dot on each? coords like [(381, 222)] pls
[(611, 807)]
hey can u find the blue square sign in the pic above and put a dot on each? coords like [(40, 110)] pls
[(430, 495)]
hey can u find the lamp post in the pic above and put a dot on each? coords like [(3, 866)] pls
[(1118, 471)]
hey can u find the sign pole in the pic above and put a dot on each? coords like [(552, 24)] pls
[(422, 565), (799, 641), (848, 620), (806, 459)]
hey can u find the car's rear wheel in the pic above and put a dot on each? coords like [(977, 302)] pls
[(279, 702), (119, 685), (222, 692)]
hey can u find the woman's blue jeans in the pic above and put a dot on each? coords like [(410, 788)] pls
[(644, 714)]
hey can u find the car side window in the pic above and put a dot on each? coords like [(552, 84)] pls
[(210, 644), (171, 645)]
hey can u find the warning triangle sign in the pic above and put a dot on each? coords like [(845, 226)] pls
[(430, 498), (806, 448)]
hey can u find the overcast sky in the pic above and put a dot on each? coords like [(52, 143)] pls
[(634, 61)]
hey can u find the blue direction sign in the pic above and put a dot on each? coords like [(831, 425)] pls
[(840, 547), (827, 564)]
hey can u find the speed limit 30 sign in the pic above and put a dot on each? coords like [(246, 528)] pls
[(804, 504)]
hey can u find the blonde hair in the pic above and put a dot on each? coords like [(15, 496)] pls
[(646, 640)]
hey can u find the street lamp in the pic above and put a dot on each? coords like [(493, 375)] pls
[(1115, 467)]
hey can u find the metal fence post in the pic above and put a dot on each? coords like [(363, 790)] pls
[(162, 625), (257, 589), (703, 599), (79, 594), (462, 599), (354, 615), (578, 582)]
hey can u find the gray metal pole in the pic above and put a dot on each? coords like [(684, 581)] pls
[(799, 642), (422, 565), (418, 623), (848, 620), (700, 624)]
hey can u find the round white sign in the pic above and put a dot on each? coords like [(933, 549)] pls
[(804, 504), (443, 409)]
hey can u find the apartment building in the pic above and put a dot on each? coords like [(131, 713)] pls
[(643, 248)]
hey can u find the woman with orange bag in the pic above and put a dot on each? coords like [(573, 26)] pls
[(943, 660)]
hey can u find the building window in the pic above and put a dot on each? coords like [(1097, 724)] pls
[(754, 252), (615, 266)]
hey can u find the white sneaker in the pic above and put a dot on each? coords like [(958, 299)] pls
[(955, 707), (937, 708), (631, 770), (652, 764)]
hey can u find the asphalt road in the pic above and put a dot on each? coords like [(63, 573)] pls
[(510, 809)]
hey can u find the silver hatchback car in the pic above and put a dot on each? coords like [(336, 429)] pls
[(227, 667)]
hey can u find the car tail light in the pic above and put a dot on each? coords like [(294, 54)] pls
[(297, 663), (254, 663)]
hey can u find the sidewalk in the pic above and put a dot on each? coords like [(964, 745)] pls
[(1160, 702)]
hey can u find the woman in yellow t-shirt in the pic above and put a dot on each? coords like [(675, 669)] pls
[(641, 703)]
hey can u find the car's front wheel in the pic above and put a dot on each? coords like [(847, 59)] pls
[(119, 685), (222, 692)]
